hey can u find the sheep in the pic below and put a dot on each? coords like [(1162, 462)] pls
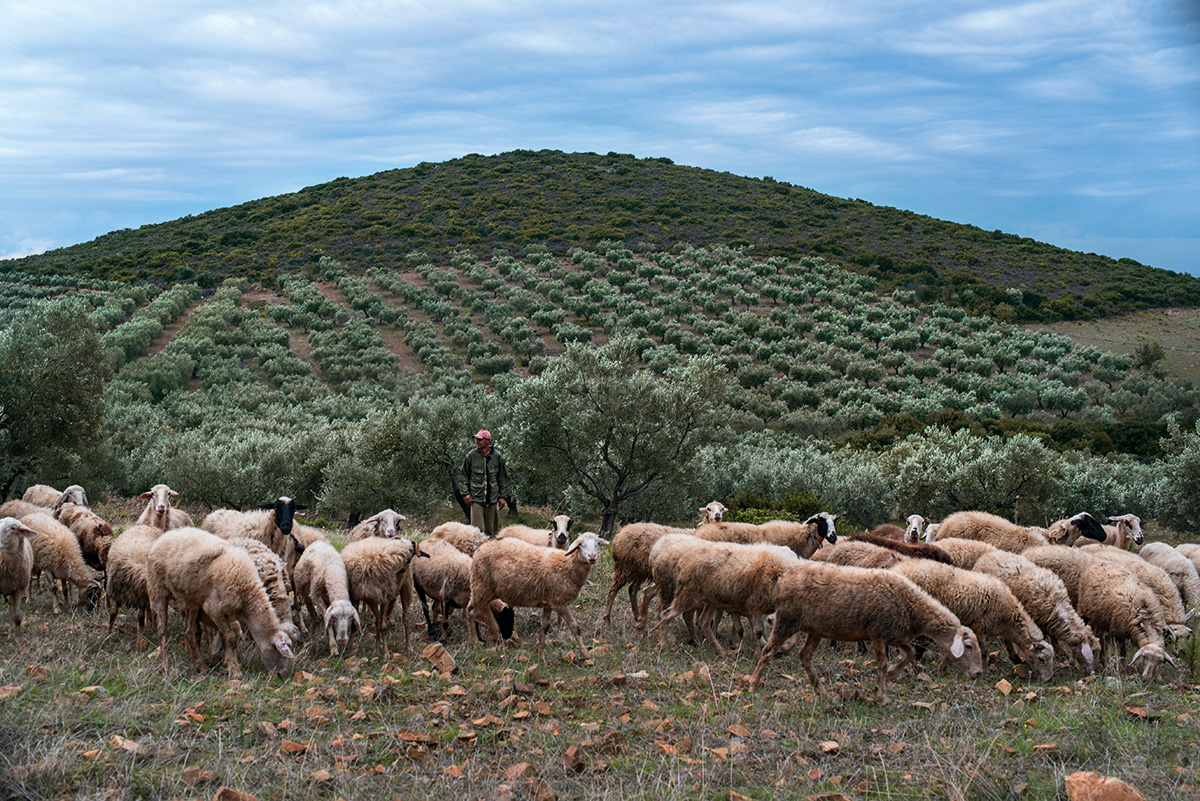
[(803, 538), (521, 574), (379, 572), (1192, 551), (713, 512), (914, 550), (965, 553), (1044, 596), (322, 584), (991, 529), (1067, 563), (1155, 579), (888, 531), (94, 532), (56, 552), (203, 573), (931, 532), (857, 553), (1179, 568), (159, 512), (125, 579), (445, 576), (49, 497), (16, 567), (555, 537), (987, 605), (1118, 606), (273, 575), (383, 524), (1126, 531), (464, 537), (666, 555), (19, 509), (728, 577), (272, 524), (853, 604), (631, 562), (1081, 528)]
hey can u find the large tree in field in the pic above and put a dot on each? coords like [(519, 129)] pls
[(52, 375), (596, 422)]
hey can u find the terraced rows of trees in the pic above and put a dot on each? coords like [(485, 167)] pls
[(792, 383)]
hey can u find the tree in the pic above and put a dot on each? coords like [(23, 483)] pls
[(594, 423), (52, 373)]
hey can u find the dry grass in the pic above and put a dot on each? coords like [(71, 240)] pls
[(1177, 330), (93, 716)]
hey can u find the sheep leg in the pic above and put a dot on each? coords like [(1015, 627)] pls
[(54, 595), (405, 603), (649, 595), (565, 614), (617, 583), (113, 611), (378, 612), (806, 655), (190, 625), (881, 668), (225, 629), (663, 630), (706, 627), (910, 656), (425, 611), (691, 628), (542, 634), (14, 614), (159, 605)]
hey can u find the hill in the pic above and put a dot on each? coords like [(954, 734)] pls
[(560, 200)]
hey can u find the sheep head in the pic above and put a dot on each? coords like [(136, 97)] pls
[(562, 524), (160, 496), (1130, 527), (714, 512), (12, 529), (386, 523), (914, 527), (341, 619), (285, 513), (964, 650), (825, 526), (587, 546), (1152, 655)]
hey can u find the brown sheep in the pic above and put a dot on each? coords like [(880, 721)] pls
[(379, 571)]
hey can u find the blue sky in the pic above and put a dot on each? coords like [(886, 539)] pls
[(1076, 122)]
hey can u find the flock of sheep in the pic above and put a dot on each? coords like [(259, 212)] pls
[(1059, 594)]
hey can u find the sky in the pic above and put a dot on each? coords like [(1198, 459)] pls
[(1074, 122)]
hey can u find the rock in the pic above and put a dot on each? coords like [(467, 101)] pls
[(439, 657), (1089, 786)]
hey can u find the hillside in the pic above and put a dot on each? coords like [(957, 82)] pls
[(559, 201)]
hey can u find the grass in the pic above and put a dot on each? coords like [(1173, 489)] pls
[(1177, 330), (93, 716)]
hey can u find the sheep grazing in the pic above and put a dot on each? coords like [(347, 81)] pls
[(203, 573), (803, 538), (1179, 568), (273, 575), (1045, 598), (991, 529), (728, 577), (1066, 562), (852, 604), (1120, 607), (379, 572), (16, 567), (322, 584), (464, 537), (521, 574), (988, 606), (159, 512), (1071, 530), (1155, 579), (856, 553), (965, 553), (384, 524), (912, 550), (445, 576), (56, 552), (125, 579), (556, 537), (94, 532), (50, 498)]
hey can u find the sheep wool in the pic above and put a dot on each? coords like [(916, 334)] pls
[(126, 576), (1180, 570), (16, 567), (556, 537), (379, 573), (322, 585), (94, 532), (1119, 607), (991, 529), (1154, 579), (631, 564), (464, 537), (56, 552), (803, 538)]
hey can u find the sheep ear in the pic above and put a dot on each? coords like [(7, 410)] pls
[(21, 528), (957, 648), (173, 493), (357, 620), (301, 507), (372, 519), (280, 641), (270, 505), (328, 615), (570, 522), (574, 546), (145, 496), (601, 541), (218, 643), (1086, 652)]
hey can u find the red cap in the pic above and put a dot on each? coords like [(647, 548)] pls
[(483, 433)]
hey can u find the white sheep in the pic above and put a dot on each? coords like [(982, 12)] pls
[(203, 573), (992, 529), (1155, 579), (383, 524), (526, 575), (803, 538), (1067, 563), (1192, 551), (1045, 598), (379, 572), (914, 528), (665, 559), (49, 497), (273, 523), (1118, 606), (322, 584), (853, 604), (126, 576), (728, 577), (94, 532), (159, 512), (464, 537), (273, 575), (931, 531), (56, 552), (1179, 568), (631, 564), (987, 606), (19, 509), (16, 567), (445, 576), (1126, 531), (556, 537)]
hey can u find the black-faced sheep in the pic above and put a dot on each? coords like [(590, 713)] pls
[(851, 604), (379, 572), (126, 575), (322, 585), (159, 512), (556, 537), (56, 553), (526, 575), (201, 572), (272, 525), (383, 524), (16, 567), (803, 538)]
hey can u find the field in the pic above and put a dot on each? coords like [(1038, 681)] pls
[(87, 715)]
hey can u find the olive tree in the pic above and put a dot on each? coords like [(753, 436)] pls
[(596, 425)]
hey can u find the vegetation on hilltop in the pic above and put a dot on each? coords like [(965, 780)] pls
[(565, 200)]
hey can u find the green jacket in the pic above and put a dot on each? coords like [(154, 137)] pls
[(484, 478)]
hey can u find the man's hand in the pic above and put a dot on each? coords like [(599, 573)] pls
[(467, 497), (502, 503)]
